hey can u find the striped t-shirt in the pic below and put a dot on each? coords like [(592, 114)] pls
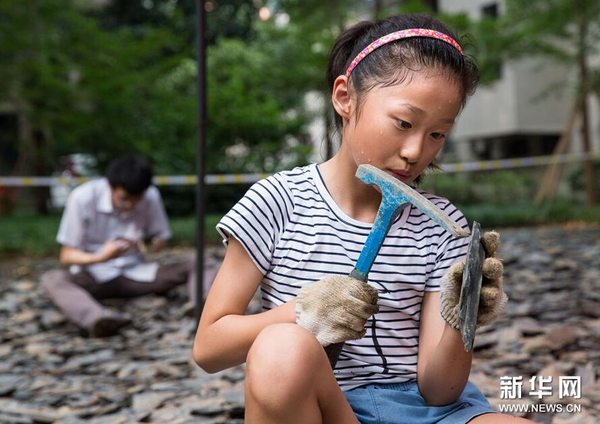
[(296, 234)]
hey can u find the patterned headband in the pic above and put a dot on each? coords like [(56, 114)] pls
[(398, 35)]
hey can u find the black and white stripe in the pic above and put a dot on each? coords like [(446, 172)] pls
[(296, 234)]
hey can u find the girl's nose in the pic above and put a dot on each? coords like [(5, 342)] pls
[(411, 148)]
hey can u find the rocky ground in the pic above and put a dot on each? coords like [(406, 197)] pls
[(50, 372)]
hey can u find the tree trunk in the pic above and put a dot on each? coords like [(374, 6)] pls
[(39, 165), (588, 166), (551, 176)]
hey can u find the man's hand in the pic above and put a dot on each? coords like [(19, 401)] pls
[(113, 248), (153, 245), (336, 309), (492, 299)]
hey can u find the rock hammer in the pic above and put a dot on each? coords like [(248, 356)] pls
[(395, 196)]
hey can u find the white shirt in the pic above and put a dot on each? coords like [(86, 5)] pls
[(90, 220), (296, 234)]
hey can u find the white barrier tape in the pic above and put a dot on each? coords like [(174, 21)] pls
[(163, 180), (517, 162), (159, 180)]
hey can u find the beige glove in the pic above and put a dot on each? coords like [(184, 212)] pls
[(492, 299), (336, 308)]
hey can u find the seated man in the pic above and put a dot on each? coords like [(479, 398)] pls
[(104, 224)]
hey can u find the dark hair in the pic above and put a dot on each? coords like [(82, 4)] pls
[(132, 173), (390, 63)]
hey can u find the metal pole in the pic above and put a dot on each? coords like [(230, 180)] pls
[(200, 161)]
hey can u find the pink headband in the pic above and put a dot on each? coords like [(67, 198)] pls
[(398, 35)]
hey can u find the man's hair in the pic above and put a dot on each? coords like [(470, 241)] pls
[(132, 173)]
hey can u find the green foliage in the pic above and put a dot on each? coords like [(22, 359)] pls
[(122, 79), (496, 188), (180, 201), (227, 19), (253, 114), (550, 28), (27, 233), (184, 230), (577, 179), (85, 89), (505, 198), (526, 214)]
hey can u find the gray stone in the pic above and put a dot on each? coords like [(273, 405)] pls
[(552, 340), (5, 350), (9, 383), (565, 265), (540, 418), (510, 360), (536, 258), (484, 341), (90, 359), (52, 318), (38, 349), (14, 419), (150, 400), (23, 317), (210, 409), (35, 413), (146, 374), (587, 374)]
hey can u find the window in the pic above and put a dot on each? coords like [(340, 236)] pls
[(490, 11)]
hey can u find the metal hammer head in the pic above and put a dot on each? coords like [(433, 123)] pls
[(470, 290), (396, 193)]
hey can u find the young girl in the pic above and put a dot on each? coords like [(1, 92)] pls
[(397, 86)]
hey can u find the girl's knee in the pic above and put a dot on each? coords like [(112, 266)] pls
[(283, 362)]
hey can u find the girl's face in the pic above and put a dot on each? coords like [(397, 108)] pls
[(401, 128)]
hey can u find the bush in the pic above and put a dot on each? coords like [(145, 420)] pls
[(180, 201), (525, 213), (495, 188), (577, 177)]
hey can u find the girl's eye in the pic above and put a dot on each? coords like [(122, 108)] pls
[(404, 125), (438, 136)]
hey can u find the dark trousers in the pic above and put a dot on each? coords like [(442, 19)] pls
[(78, 295)]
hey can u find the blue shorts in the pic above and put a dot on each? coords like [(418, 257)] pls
[(402, 403)]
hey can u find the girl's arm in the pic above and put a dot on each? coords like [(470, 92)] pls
[(443, 365), (225, 334)]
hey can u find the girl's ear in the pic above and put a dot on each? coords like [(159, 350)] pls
[(341, 97)]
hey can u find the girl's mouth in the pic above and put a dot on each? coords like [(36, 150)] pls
[(403, 176)]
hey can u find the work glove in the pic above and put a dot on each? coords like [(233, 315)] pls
[(336, 308), (492, 299)]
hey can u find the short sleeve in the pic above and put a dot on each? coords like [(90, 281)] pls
[(259, 218), (450, 249), (158, 223), (71, 229)]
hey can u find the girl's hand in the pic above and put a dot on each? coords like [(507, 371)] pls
[(336, 308), (492, 299)]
